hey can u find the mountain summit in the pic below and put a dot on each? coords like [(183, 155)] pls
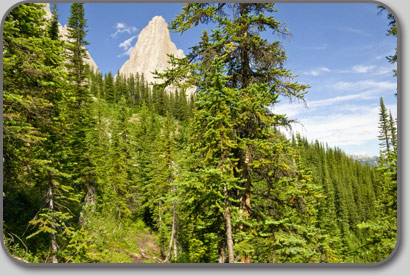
[(151, 50)]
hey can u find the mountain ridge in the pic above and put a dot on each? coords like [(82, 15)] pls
[(63, 30), (365, 159)]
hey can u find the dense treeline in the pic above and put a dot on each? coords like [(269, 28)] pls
[(112, 169), (349, 194), (137, 92)]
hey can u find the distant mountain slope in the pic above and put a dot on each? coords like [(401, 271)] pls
[(365, 159), (64, 33)]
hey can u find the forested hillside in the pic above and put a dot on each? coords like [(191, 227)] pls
[(104, 169)]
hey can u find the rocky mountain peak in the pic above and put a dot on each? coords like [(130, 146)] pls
[(151, 50)]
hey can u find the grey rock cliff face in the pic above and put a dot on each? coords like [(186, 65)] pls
[(64, 34), (150, 52)]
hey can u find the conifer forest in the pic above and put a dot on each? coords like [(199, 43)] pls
[(106, 168)]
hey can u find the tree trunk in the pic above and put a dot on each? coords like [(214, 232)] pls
[(173, 240), (229, 240), (159, 213), (88, 200), (245, 203), (245, 71), (222, 256), (54, 245), (175, 233)]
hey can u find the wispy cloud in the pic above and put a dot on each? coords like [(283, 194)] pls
[(340, 99), (355, 128), (347, 121), (123, 28), (317, 72), (366, 90), (126, 46), (315, 47), (372, 85), (126, 53), (342, 129), (293, 109), (389, 53), (362, 68), (383, 71), (349, 29)]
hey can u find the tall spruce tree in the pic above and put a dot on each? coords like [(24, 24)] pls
[(393, 132), (211, 182), (384, 129), (255, 69), (109, 88), (82, 121), (53, 25), (392, 31)]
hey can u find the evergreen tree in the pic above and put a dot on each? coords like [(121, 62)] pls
[(260, 80), (131, 90), (393, 133), (120, 87), (381, 231), (109, 88), (53, 26), (392, 31), (82, 121), (212, 182), (35, 126), (77, 31), (384, 126), (119, 166), (110, 170)]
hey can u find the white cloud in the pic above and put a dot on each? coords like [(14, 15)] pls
[(341, 129), (373, 70), (290, 109), (126, 53), (293, 109), (126, 46), (361, 153), (383, 71), (341, 121), (365, 85), (338, 99), (367, 90), (317, 71), (389, 53), (362, 68), (350, 29), (120, 26), (316, 48), (123, 28), (351, 127)]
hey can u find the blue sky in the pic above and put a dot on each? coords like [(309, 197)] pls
[(337, 49)]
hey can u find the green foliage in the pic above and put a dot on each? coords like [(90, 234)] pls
[(392, 31), (381, 230), (18, 249), (35, 106), (53, 26), (106, 239), (113, 170)]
